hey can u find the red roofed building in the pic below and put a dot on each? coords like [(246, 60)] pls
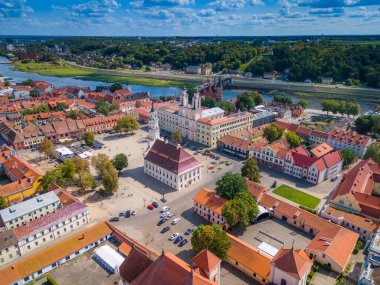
[(300, 164), (358, 143), (359, 190), (207, 264), (172, 165), (290, 267)]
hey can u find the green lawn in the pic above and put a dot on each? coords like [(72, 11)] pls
[(63, 69), (297, 196)]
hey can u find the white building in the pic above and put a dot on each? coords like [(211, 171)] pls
[(358, 143), (29, 210), (185, 116), (154, 128), (290, 267), (172, 165)]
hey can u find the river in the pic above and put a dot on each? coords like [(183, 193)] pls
[(9, 71)]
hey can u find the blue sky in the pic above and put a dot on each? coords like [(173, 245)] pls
[(189, 17)]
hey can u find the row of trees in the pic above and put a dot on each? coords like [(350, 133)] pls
[(340, 107), (368, 124)]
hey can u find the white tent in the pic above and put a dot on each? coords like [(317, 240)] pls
[(109, 257), (63, 151)]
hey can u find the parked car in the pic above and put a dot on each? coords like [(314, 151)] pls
[(189, 230), (174, 236), (183, 242), (114, 219), (160, 222), (122, 213), (164, 230), (178, 239), (133, 212), (127, 214), (165, 209), (164, 215), (150, 207), (176, 221), (155, 204), (164, 200), (335, 178)]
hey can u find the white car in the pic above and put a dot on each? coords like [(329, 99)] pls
[(165, 209), (163, 215), (174, 236), (176, 221)]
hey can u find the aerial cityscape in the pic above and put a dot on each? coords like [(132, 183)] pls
[(188, 142)]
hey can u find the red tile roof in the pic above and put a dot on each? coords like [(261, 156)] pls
[(206, 260), (294, 262), (171, 157), (350, 137), (321, 150), (210, 200)]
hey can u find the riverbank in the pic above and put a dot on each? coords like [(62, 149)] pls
[(62, 69)]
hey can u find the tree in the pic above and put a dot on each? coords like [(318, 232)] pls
[(273, 133), (3, 203), (116, 86), (99, 162), (208, 102), (115, 106), (293, 139), (241, 210), (227, 106), (120, 161), (212, 238), (86, 180), (230, 184), (110, 178), (368, 124), (72, 114), (248, 100), (89, 137), (126, 124), (177, 137), (348, 155), (250, 169), (46, 147), (138, 104), (302, 103), (282, 99), (51, 177), (81, 164), (102, 107), (67, 170), (373, 151)]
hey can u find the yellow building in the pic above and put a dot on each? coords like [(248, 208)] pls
[(25, 178), (210, 130)]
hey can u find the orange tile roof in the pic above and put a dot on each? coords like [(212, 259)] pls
[(256, 189), (350, 137), (337, 243), (321, 150), (206, 260), (294, 262), (353, 219), (249, 257), (51, 254), (125, 248), (210, 200)]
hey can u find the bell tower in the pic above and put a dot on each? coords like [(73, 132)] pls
[(154, 128)]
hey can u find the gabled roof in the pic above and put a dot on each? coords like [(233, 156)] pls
[(206, 260), (168, 269), (210, 200), (171, 157), (321, 150), (52, 253), (294, 262), (332, 158), (135, 263), (338, 243), (249, 256)]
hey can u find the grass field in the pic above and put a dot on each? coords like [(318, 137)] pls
[(63, 69), (245, 65), (297, 196)]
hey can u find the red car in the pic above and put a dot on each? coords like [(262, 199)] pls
[(150, 207)]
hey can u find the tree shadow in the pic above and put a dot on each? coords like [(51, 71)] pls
[(186, 254), (194, 218)]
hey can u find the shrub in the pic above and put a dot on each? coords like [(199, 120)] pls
[(50, 280), (358, 246), (315, 267)]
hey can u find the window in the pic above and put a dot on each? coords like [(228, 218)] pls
[(283, 282)]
